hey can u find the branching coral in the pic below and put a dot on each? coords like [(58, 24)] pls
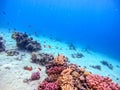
[(101, 83), (2, 46), (24, 42)]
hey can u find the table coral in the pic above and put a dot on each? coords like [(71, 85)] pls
[(97, 82)]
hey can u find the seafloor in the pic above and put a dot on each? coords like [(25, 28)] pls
[(12, 72)]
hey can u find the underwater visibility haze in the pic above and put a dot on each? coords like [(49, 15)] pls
[(94, 23), (80, 29)]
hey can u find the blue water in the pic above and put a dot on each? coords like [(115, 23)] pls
[(93, 23)]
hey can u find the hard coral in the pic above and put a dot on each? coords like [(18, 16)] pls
[(48, 86), (97, 82), (41, 58), (55, 70), (24, 42), (60, 59), (2, 46), (35, 76)]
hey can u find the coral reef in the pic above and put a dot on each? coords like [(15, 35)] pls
[(12, 52), (41, 58), (97, 82), (55, 67), (73, 78), (25, 42), (66, 76), (35, 76), (48, 86), (2, 46), (110, 66)]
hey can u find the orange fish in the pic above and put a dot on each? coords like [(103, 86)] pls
[(39, 69), (49, 46)]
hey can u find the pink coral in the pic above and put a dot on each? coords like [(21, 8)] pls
[(48, 86), (101, 83), (35, 76), (55, 70)]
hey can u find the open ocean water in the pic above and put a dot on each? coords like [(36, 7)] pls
[(92, 23)]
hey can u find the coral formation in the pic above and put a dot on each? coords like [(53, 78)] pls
[(35, 76), (77, 55), (12, 52), (110, 66), (71, 46), (65, 76), (97, 82), (98, 67), (55, 67), (48, 86), (41, 58), (2, 46), (25, 42), (73, 78)]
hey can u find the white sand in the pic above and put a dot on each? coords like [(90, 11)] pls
[(12, 73)]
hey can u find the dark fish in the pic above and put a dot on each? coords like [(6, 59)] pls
[(29, 26), (3, 12)]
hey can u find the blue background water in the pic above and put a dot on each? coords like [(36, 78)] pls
[(94, 23)]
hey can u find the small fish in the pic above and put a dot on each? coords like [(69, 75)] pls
[(39, 69), (3, 12), (49, 46), (29, 26), (44, 46)]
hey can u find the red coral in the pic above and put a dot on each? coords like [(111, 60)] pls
[(35, 76), (55, 70), (101, 83), (48, 86)]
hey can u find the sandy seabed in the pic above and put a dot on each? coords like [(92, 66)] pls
[(12, 73)]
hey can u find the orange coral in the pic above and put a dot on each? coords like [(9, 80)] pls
[(66, 82), (82, 69), (60, 59), (66, 71), (86, 73)]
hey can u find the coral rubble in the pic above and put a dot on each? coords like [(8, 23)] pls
[(23, 41), (41, 58), (2, 46)]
